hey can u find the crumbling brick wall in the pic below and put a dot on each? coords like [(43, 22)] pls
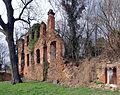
[(103, 68)]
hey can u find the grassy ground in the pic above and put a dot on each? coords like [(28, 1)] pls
[(39, 88)]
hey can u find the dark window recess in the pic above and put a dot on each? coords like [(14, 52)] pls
[(38, 34), (22, 47), (27, 40), (22, 56), (45, 53), (114, 76), (105, 75), (38, 56), (44, 32), (53, 50), (27, 59), (32, 35), (22, 63)]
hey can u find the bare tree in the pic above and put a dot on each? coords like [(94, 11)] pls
[(8, 31), (109, 18), (90, 17)]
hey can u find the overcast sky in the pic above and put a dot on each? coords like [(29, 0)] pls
[(44, 4)]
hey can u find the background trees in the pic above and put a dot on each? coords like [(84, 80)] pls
[(109, 18), (3, 55), (72, 10), (88, 26)]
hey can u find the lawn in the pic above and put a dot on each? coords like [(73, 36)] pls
[(40, 88)]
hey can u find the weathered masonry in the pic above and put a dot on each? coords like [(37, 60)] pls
[(40, 45), (41, 51), (109, 74)]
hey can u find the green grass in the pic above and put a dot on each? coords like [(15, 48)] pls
[(39, 88)]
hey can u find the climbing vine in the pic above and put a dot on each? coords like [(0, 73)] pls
[(33, 38)]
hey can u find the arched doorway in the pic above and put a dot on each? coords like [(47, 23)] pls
[(53, 50)]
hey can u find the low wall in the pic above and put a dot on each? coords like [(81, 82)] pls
[(5, 76)]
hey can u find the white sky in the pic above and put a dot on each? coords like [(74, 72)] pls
[(44, 4)]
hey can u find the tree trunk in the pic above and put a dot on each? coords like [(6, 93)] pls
[(13, 59)]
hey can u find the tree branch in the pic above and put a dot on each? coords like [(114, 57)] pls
[(23, 2), (1, 30), (24, 8), (2, 23), (22, 20), (79, 11), (19, 18)]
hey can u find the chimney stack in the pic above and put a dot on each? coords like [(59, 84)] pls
[(51, 21)]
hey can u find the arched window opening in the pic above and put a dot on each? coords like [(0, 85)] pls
[(53, 50), (38, 56)]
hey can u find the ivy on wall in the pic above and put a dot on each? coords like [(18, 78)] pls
[(32, 40)]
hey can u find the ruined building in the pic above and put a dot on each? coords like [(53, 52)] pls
[(48, 48), (40, 57)]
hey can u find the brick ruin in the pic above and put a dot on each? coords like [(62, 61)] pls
[(49, 49), (109, 73)]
